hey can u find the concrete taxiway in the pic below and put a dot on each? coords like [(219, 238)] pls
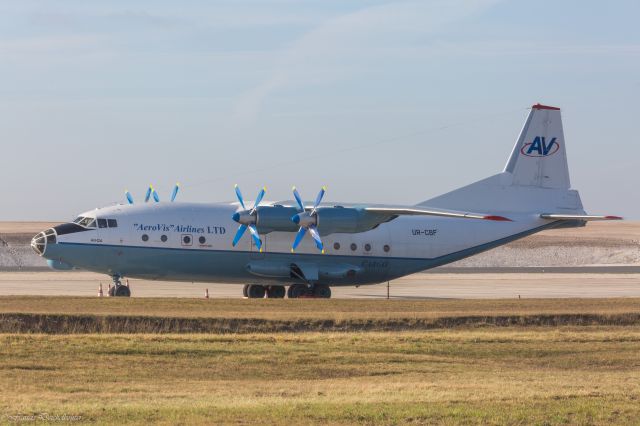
[(419, 286)]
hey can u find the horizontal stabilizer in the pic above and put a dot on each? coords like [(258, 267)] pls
[(552, 216), (440, 213)]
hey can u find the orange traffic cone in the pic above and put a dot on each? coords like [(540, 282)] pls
[(206, 293), (100, 294)]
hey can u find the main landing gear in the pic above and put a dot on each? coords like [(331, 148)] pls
[(295, 291), (119, 289), (256, 291)]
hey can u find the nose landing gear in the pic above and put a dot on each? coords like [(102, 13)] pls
[(119, 289)]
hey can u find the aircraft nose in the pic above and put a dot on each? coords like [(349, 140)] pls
[(40, 241)]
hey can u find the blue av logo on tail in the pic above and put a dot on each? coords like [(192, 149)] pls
[(540, 147)]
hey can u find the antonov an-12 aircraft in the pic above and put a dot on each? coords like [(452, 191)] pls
[(309, 247)]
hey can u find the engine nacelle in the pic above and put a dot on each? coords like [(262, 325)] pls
[(276, 218), (346, 220), (331, 220)]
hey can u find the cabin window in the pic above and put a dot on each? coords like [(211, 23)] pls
[(186, 240), (112, 223), (163, 238), (386, 248), (202, 240), (145, 237), (102, 223), (367, 247), (354, 247), (336, 246)]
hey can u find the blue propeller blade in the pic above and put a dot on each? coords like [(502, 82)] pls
[(316, 236), (299, 238), (148, 194), (239, 234), (319, 198), (129, 197), (256, 237), (175, 192), (258, 199), (156, 197), (239, 195), (298, 199)]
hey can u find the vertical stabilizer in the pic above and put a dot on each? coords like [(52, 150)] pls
[(535, 179), (539, 157)]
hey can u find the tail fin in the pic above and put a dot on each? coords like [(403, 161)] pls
[(539, 157), (535, 179)]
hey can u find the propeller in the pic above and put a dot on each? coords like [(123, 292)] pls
[(308, 221), (151, 191), (248, 218)]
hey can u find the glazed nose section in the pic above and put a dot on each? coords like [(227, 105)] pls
[(40, 241)]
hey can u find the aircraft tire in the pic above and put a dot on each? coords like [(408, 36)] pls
[(297, 290), (122, 291), (276, 292), (255, 291), (245, 290), (322, 291)]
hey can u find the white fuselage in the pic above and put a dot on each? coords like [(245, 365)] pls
[(150, 238)]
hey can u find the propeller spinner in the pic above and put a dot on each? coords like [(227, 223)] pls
[(308, 221), (247, 219)]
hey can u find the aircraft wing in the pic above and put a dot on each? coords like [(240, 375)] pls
[(554, 216), (392, 211)]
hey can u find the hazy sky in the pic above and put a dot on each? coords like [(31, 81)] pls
[(382, 101)]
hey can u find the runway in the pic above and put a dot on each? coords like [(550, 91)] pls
[(469, 285)]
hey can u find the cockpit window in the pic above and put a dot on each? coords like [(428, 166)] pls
[(90, 222), (87, 222)]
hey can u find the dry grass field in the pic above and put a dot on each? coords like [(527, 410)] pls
[(586, 375), (294, 309), (480, 374)]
